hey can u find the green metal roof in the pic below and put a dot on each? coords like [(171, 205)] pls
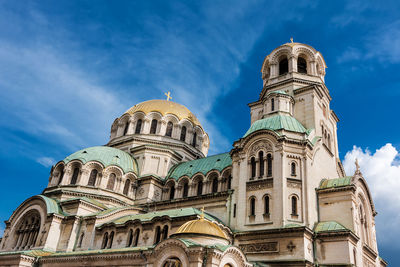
[(278, 92), (337, 182), (203, 165), (277, 122), (331, 226), (52, 205), (107, 156), (169, 213)]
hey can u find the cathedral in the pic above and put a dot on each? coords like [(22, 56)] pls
[(152, 197)]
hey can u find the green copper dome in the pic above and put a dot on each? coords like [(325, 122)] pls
[(107, 156), (277, 122)]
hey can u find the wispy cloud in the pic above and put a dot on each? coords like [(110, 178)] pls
[(46, 161), (382, 172)]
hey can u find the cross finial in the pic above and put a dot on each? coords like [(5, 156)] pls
[(291, 39), (357, 166), (202, 213), (168, 95)]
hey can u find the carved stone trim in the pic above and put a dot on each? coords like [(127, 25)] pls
[(259, 184), (260, 247)]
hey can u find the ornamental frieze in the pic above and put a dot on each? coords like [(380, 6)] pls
[(259, 184), (260, 247)]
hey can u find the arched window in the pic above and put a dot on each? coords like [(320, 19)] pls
[(92, 178), (293, 169), (137, 233), (126, 187), (28, 231), (261, 158), (126, 128), (158, 235), (272, 104), (61, 175), (301, 65), (215, 185), (183, 134), (165, 232), (266, 205), (283, 66), (111, 181), (105, 241), (111, 240), (173, 262), (252, 206), (168, 132), (185, 189), (269, 163), (138, 127), (153, 127), (171, 192), (199, 187), (294, 205), (194, 139), (253, 167), (75, 175), (130, 238), (81, 240)]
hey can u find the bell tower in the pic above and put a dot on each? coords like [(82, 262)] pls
[(290, 146)]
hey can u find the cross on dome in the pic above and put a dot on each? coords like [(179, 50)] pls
[(168, 95)]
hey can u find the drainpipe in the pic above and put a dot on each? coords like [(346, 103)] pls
[(230, 207)]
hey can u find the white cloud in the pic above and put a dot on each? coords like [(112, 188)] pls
[(46, 161), (382, 172)]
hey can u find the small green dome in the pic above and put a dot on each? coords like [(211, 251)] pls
[(277, 122), (107, 156)]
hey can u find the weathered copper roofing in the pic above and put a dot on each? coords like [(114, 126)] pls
[(203, 166), (277, 122), (337, 182), (107, 156), (330, 226)]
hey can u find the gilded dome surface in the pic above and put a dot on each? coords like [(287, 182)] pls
[(164, 107), (201, 226)]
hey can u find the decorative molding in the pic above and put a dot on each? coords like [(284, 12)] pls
[(260, 247), (259, 184)]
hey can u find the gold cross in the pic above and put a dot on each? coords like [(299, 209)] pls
[(202, 213), (291, 39), (168, 95)]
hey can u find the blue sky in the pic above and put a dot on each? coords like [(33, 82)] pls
[(67, 70)]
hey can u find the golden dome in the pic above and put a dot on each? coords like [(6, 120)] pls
[(165, 107), (201, 226)]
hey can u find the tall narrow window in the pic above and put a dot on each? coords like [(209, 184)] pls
[(269, 163), (126, 187), (234, 210), (183, 134), (266, 205), (293, 169), (200, 187), (261, 159), (138, 127), (294, 205), (252, 206), (253, 167), (153, 127), (105, 241), (111, 181), (301, 65), (194, 139), (215, 185), (355, 257), (165, 232), (75, 175), (61, 175), (137, 233), (230, 182), (158, 235), (81, 240), (92, 178), (171, 192), (111, 240), (283, 66), (126, 128), (185, 189), (168, 132), (272, 104), (130, 238)]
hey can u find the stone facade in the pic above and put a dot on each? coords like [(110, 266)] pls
[(280, 197)]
